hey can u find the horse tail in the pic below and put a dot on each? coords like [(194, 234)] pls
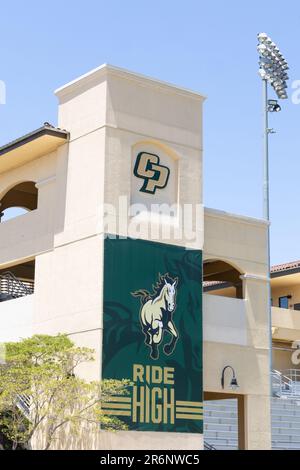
[(143, 294)]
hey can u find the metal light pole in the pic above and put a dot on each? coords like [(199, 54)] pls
[(266, 191), (273, 70)]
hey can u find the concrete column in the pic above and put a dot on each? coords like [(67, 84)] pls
[(257, 422)]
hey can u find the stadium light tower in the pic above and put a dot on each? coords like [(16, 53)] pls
[(273, 70)]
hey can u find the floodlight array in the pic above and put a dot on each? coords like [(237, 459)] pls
[(272, 65)]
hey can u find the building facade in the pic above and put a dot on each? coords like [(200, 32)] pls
[(285, 413), (126, 160)]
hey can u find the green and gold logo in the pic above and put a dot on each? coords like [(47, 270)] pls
[(156, 315), (155, 175), (153, 399), (152, 334)]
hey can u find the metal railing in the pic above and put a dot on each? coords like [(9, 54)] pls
[(12, 288), (207, 446), (293, 374), (286, 384), (23, 403)]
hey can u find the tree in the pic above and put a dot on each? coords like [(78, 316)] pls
[(40, 393)]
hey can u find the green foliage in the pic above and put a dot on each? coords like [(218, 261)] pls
[(42, 369)]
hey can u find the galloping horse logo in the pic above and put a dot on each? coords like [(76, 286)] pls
[(156, 314)]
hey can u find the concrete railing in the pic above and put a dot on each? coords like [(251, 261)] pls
[(224, 320), (286, 318), (25, 236), (286, 324)]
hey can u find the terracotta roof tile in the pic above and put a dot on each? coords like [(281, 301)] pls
[(285, 267), (277, 269)]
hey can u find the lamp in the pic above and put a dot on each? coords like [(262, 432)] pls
[(271, 63), (233, 383), (273, 106)]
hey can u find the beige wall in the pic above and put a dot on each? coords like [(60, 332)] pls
[(241, 242), (32, 233), (105, 125), (285, 322), (16, 319), (164, 117), (284, 290), (286, 330), (282, 357)]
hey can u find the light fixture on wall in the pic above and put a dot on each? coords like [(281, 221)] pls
[(233, 383), (273, 106)]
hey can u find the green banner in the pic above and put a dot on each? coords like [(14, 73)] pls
[(152, 334)]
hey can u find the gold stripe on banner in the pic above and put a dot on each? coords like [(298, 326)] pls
[(126, 406), (119, 399), (189, 403), (117, 412), (184, 416), (185, 409)]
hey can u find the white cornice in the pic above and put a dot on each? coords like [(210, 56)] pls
[(44, 182), (235, 217), (100, 73), (254, 277)]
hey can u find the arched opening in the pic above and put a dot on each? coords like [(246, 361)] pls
[(18, 200), (221, 278)]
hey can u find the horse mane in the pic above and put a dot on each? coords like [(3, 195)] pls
[(157, 288)]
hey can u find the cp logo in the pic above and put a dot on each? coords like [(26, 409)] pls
[(148, 168)]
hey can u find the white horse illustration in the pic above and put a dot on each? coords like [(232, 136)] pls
[(156, 314)]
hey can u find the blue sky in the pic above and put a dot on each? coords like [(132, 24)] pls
[(208, 46)]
